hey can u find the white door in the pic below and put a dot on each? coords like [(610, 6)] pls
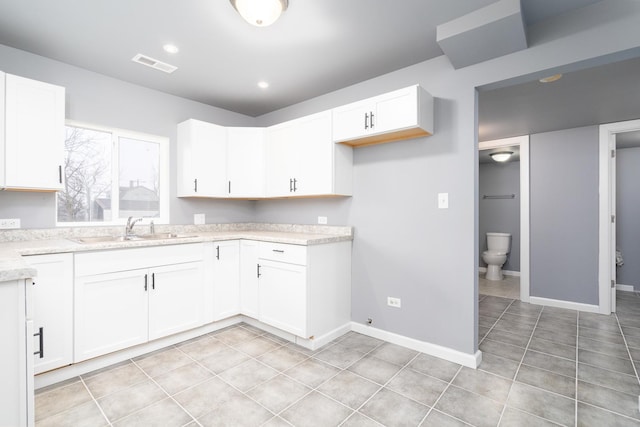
[(249, 278), (52, 310), (283, 296), (245, 162), (314, 152), (111, 312), (34, 134), (176, 298), (396, 110), (226, 279), (352, 121)]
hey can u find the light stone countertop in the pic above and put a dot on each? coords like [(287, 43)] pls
[(14, 244)]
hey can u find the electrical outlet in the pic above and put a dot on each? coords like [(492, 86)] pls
[(322, 220), (393, 302), (198, 219), (443, 200), (8, 223)]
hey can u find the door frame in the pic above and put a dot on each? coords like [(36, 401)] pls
[(607, 208), (523, 142)]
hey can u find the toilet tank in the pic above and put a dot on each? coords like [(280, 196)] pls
[(499, 242)]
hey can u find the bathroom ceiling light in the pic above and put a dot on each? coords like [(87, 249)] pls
[(551, 79), (260, 13), (501, 156)]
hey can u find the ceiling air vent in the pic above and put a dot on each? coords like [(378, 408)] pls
[(154, 63)]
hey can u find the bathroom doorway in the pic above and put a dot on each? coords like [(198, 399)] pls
[(615, 140), (504, 208)]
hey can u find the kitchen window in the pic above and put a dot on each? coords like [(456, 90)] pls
[(112, 174)]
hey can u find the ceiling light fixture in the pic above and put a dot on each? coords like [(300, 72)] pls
[(501, 156), (551, 79), (263, 85), (170, 48), (260, 13)]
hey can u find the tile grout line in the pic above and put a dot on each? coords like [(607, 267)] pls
[(441, 394), (494, 323), (626, 345), (95, 401), (513, 381)]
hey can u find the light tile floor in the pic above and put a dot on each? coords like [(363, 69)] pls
[(509, 287), (541, 367)]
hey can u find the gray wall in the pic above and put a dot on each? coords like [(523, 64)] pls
[(500, 215), (96, 99), (628, 215), (564, 215), (404, 246)]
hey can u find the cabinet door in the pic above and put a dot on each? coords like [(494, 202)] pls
[(281, 158), (283, 296), (245, 162), (34, 134), (226, 279), (396, 110), (314, 155), (352, 120), (52, 310), (111, 312), (202, 159), (176, 298), (249, 278)]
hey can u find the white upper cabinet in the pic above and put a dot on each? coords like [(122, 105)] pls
[(31, 134), (302, 160), (202, 159), (401, 114), (245, 162)]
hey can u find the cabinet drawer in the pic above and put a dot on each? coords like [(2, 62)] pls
[(99, 262), (292, 254)]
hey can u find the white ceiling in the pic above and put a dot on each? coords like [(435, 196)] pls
[(315, 48)]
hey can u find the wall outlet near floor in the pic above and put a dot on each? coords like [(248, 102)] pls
[(198, 219), (393, 302), (322, 220), (6, 224)]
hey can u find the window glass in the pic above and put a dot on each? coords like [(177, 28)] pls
[(87, 172), (139, 190)]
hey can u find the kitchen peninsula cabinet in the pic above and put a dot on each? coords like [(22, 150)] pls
[(31, 134), (401, 114), (16, 356), (52, 310), (127, 297), (302, 160)]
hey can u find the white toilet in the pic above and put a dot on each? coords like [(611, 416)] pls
[(498, 246)]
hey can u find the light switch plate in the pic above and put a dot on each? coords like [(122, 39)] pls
[(198, 219), (322, 220), (443, 200)]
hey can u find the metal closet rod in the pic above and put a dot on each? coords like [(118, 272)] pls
[(502, 196)]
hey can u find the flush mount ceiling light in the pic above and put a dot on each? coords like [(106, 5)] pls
[(260, 13), (551, 79), (263, 84), (501, 156), (170, 48)]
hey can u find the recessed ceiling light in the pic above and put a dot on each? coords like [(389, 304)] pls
[(170, 48), (550, 79), (263, 85)]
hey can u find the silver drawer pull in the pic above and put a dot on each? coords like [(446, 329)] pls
[(280, 251)]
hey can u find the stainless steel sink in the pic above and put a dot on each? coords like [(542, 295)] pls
[(108, 239)]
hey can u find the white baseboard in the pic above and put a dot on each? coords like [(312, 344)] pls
[(626, 288), (465, 359), (590, 308), (505, 272)]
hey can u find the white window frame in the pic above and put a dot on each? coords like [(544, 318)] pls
[(117, 133)]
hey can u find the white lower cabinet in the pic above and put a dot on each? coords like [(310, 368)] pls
[(283, 296), (249, 298), (52, 310), (16, 356), (226, 279), (119, 309)]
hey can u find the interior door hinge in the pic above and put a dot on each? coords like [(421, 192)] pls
[(613, 283), (613, 154), (613, 219)]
